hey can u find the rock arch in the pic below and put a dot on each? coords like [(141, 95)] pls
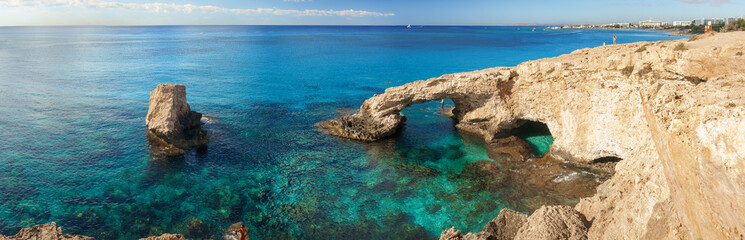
[(380, 117)]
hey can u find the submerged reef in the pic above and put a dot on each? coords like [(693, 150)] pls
[(668, 119), (172, 126)]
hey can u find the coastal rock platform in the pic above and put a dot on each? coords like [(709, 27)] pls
[(669, 112)]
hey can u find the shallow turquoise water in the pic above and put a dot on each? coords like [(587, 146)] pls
[(540, 144), (73, 102)]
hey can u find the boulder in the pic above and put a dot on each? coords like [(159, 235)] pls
[(554, 222), (44, 232)]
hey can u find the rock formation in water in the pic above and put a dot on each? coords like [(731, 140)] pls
[(671, 110), (44, 232), (172, 126)]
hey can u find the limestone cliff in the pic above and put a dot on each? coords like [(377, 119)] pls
[(671, 110)]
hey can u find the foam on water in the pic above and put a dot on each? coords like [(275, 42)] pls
[(73, 102)]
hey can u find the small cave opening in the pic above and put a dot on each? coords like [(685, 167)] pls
[(610, 159), (536, 134), (607, 164)]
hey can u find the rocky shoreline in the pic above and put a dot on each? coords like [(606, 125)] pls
[(670, 113), (52, 232)]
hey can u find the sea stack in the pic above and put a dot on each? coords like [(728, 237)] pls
[(172, 126)]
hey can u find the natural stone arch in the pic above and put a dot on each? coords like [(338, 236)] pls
[(380, 116)]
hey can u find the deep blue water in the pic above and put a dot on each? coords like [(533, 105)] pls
[(73, 148)]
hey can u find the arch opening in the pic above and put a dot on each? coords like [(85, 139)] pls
[(536, 134)]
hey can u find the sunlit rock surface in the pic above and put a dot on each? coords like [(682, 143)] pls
[(671, 110), (503, 227), (554, 222)]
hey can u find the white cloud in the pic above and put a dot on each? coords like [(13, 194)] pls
[(713, 2), (186, 8)]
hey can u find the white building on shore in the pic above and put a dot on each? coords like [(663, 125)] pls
[(707, 21), (682, 23), (650, 23)]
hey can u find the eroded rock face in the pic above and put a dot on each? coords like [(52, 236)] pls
[(554, 222), (44, 232), (451, 234), (169, 114), (172, 126), (671, 110), (506, 225)]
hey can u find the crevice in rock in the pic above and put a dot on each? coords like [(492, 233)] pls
[(609, 159)]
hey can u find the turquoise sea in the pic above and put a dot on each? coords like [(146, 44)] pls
[(73, 146)]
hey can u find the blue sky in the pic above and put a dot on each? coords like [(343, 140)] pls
[(364, 12)]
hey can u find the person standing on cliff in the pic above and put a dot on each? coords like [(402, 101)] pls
[(614, 38)]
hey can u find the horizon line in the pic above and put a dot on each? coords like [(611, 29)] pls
[(320, 25)]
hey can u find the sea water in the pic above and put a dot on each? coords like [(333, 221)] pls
[(73, 146)]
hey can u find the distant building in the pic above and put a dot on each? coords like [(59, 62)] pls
[(612, 25), (707, 21), (650, 23), (682, 23), (727, 20)]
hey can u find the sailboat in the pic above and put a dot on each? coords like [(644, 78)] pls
[(408, 26)]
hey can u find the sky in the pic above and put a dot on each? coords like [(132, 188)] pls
[(357, 12)]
